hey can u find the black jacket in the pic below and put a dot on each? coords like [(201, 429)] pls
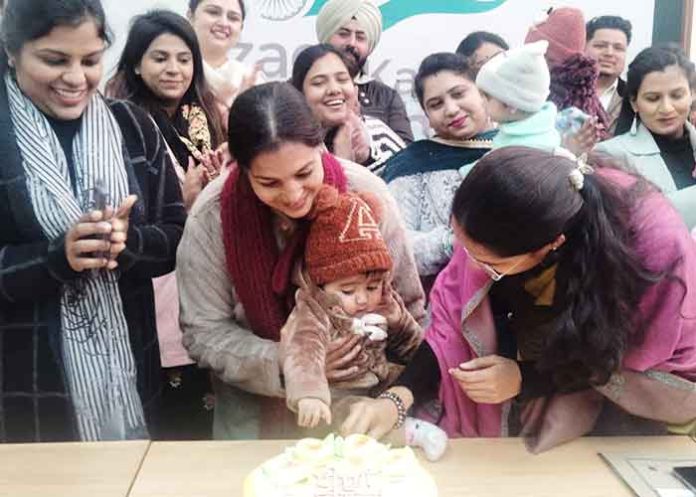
[(382, 102), (35, 404)]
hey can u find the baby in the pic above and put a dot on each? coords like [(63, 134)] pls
[(344, 289), (516, 84)]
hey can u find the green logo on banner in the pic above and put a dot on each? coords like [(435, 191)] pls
[(395, 11)]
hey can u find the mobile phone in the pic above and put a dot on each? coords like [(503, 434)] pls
[(100, 197), (687, 475), (98, 200)]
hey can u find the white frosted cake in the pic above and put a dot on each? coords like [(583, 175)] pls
[(356, 466)]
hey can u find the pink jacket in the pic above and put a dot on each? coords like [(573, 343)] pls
[(658, 378)]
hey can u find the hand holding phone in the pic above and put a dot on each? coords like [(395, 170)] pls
[(99, 201)]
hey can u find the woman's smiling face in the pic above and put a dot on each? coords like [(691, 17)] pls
[(454, 107), (218, 24), (60, 71), (329, 90), (288, 179)]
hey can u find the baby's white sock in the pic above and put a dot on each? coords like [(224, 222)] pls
[(432, 439)]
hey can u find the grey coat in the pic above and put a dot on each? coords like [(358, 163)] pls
[(639, 152)]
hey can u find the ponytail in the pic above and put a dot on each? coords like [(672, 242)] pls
[(518, 200), (604, 282)]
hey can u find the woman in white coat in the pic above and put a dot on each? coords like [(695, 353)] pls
[(654, 136), (218, 25)]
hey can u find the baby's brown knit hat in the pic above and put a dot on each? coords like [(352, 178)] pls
[(344, 238)]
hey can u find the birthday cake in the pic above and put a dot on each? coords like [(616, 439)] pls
[(355, 466)]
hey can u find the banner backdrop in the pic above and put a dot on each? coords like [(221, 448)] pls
[(276, 30)]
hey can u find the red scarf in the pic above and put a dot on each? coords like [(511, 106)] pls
[(259, 271)]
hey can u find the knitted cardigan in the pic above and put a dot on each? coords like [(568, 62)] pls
[(424, 177), (35, 403)]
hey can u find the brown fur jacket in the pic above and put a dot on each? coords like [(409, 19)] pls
[(316, 320)]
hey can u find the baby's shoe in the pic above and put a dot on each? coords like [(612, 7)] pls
[(429, 437)]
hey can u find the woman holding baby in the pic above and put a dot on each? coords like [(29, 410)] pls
[(243, 241)]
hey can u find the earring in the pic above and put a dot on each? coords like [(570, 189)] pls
[(136, 71), (634, 125)]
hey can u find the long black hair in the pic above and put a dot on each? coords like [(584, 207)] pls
[(518, 200), (27, 20), (128, 85), (266, 116), (651, 59)]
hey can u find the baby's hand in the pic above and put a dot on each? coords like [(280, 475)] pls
[(311, 411)]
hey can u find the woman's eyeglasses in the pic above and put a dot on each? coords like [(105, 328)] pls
[(492, 273)]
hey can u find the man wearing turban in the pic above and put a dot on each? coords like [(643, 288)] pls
[(355, 26)]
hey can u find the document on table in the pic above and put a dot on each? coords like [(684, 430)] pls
[(650, 476)]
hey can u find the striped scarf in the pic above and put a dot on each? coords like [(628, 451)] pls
[(97, 357)]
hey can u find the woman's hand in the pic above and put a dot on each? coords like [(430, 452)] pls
[(214, 161), (340, 354), (489, 380), (249, 80), (311, 411), (223, 152), (343, 142), (87, 242), (585, 139), (98, 238), (194, 181), (375, 417), (359, 138), (225, 100), (119, 229), (352, 141)]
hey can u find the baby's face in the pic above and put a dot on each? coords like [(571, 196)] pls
[(498, 111), (359, 294)]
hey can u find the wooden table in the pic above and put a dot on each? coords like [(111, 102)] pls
[(70, 469), (471, 468)]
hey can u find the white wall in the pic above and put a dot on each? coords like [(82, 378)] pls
[(402, 46)]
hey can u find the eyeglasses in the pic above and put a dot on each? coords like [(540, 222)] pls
[(490, 270)]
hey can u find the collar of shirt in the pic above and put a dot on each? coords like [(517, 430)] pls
[(606, 95)]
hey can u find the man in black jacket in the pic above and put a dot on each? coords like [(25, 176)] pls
[(355, 26), (608, 38)]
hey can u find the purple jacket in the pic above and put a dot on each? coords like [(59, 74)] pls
[(658, 379)]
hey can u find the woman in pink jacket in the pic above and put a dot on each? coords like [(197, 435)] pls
[(569, 307)]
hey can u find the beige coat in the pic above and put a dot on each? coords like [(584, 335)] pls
[(614, 107), (216, 332)]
